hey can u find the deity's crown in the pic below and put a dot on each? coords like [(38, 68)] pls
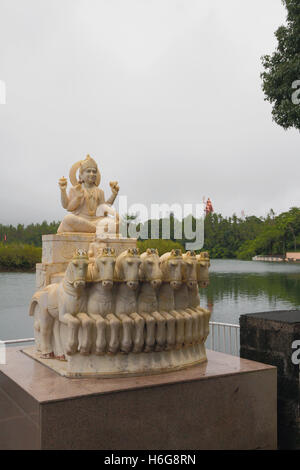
[(88, 162), (80, 253)]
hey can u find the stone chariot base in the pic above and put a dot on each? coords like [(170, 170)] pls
[(123, 364), (225, 403)]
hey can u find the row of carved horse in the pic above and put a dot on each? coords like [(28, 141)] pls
[(130, 303)]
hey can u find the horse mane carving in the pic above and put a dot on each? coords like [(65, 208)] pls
[(130, 252), (173, 254), (149, 253)]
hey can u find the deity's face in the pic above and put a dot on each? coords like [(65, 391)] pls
[(89, 175)]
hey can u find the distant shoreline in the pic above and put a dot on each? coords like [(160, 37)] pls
[(3, 269)]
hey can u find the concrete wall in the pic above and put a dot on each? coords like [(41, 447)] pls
[(267, 337)]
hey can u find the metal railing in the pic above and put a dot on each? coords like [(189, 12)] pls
[(16, 341), (223, 337)]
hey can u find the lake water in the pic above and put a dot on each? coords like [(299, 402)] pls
[(236, 287)]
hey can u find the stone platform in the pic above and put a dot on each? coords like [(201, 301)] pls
[(120, 365), (225, 403), (268, 337)]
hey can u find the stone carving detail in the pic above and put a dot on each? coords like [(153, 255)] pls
[(127, 275), (202, 268), (40, 278), (130, 304), (151, 276), (46, 252), (63, 302), (88, 210), (100, 302)]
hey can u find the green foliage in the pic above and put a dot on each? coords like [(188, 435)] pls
[(282, 68), (262, 244), (224, 236), (19, 257), (163, 246), (32, 234), (277, 235)]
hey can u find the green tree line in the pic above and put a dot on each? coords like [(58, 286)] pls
[(224, 237), (233, 237), (19, 257), (31, 234)]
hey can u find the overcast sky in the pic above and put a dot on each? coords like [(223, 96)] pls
[(164, 94)]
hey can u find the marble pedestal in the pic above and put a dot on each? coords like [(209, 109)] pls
[(225, 403), (122, 365), (58, 250)]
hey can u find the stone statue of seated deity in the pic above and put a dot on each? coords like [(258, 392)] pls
[(85, 202)]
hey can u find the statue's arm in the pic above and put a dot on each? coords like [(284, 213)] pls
[(63, 192), (111, 199), (75, 198), (114, 192), (64, 199)]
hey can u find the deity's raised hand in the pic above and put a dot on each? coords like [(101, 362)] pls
[(63, 183), (114, 186)]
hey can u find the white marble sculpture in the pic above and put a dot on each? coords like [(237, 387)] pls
[(127, 275), (100, 301), (132, 304), (85, 200), (182, 297), (105, 309), (171, 265), (202, 268), (151, 278), (64, 302), (203, 281)]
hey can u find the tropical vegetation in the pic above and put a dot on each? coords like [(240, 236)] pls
[(281, 76), (224, 237)]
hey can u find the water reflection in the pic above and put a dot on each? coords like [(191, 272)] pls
[(16, 290), (239, 287)]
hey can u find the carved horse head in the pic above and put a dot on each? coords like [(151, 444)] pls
[(171, 266), (202, 269), (150, 268), (189, 269), (127, 267), (76, 273), (104, 267)]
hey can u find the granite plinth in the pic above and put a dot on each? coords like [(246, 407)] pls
[(226, 403)]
